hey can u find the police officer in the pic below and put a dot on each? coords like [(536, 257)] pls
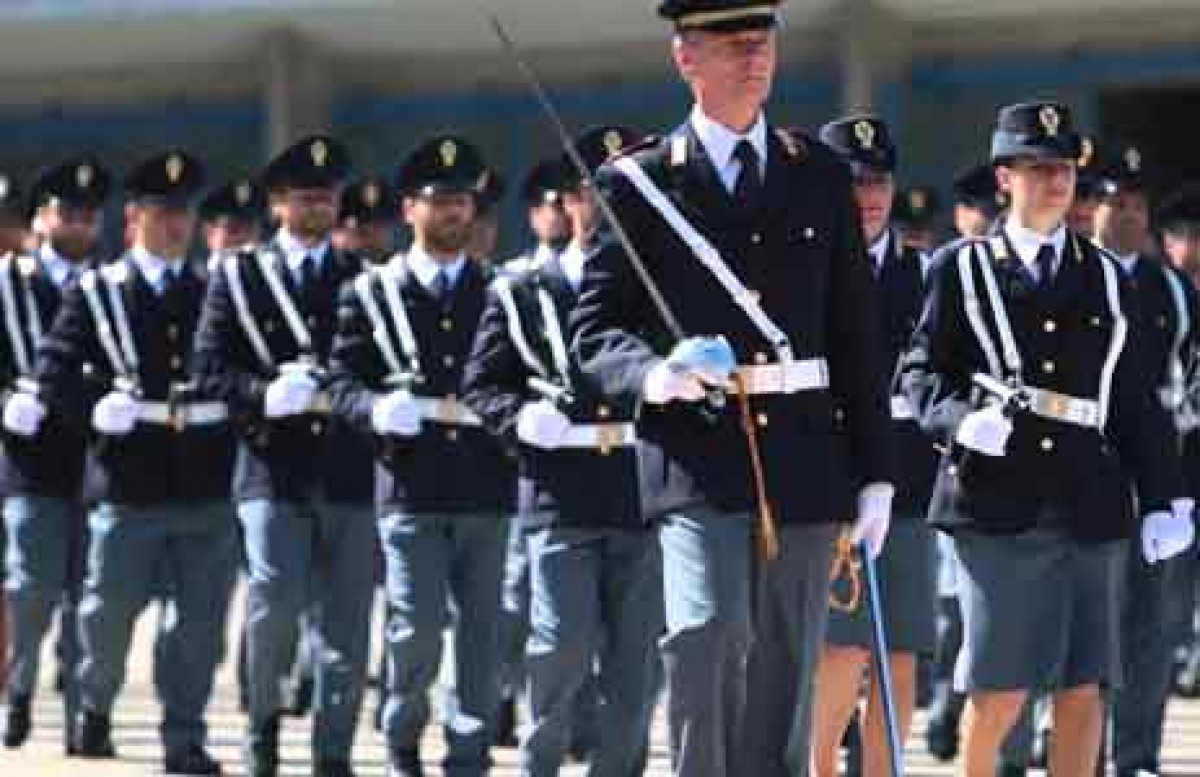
[(541, 194), (1164, 316), (230, 218), (160, 517), (782, 307), (303, 480), (1081, 216), (906, 567), (366, 220), (1026, 366), (43, 462), (444, 486), (913, 214), (977, 201), (594, 572), (485, 227)]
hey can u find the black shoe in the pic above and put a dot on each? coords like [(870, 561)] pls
[(93, 736), (191, 760), (405, 763), (941, 738), (333, 769), (852, 745), (262, 750), (1004, 769), (505, 732), (19, 723), (302, 695)]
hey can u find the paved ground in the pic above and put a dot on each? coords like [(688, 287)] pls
[(137, 738)]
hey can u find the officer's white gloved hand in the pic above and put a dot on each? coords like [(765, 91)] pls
[(542, 425), (874, 516), (23, 414), (1167, 534), (986, 431), (116, 413), (397, 414), (693, 364), (290, 394)]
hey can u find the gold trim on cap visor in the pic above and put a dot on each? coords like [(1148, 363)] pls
[(705, 18)]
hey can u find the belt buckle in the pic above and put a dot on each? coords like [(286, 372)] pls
[(608, 436), (1058, 406), (448, 411)]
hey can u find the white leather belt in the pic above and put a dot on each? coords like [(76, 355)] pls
[(1063, 407), (789, 378), (184, 414), (602, 436), (901, 409), (446, 410)]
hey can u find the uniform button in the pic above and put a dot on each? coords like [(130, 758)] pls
[(317, 427), (452, 435), (1049, 325), (447, 324), (1095, 320), (1048, 367), (448, 361), (763, 420), (603, 412), (176, 362), (756, 238), (761, 358), (312, 322), (839, 415), (951, 470), (1047, 444), (172, 332)]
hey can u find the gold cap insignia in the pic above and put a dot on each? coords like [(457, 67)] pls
[(1087, 150), (1133, 160), (242, 193), (448, 152), (613, 142), (84, 175), (174, 168), (1050, 119), (371, 194), (917, 200), (865, 132), (319, 151)]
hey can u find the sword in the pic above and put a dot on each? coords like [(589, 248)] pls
[(879, 652)]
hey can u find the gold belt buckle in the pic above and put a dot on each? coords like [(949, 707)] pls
[(448, 410), (608, 436), (1058, 405)]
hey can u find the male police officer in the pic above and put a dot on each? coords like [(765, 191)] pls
[(164, 460), (594, 574), (43, 460), (786, 292), (230, 217), (1035, 485), (444, 486), (977, 201), (303, 480), (1164, 315), (366, 220), (906, 567)]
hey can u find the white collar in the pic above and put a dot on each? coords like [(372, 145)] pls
[(544, 254), (1026, 242), (572, 261), (56, 266), (153, 267), (1128, 261), (294, 251), (426, 268), (720, 142), (880, 248)]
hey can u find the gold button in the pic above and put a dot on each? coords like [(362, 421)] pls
[(317, 427), (448, 361), (176, 362), (603, 412), (951, 470), (839, 415), (172, 332), (1049, 325), (1048, 366), (312, 322), (447, 324), (762, 420), (761, 358), (756, 238), (1047, 444), (452, 435), (1095, 320)]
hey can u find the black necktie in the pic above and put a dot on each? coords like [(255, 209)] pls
[(749, 182), (441, 289), (308, 274), (1044, 261)]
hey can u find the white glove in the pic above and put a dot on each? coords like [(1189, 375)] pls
[(289, 394), (874, 516), (116, 413), (666, 382), (23, 414), (396, 414), (542, 425), (1167, 534), (986, 431)]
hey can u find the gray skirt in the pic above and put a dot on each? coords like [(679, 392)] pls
[(907, 570), (1040, 611)]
